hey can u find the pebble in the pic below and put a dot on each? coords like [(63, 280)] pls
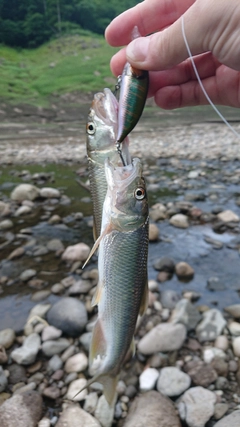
[(51, 333), (17, 253), (52, 392), (7, 337), (186, 313), (17, 373), (69, 315), (184, 271), (169, 298), (25, 192), (221, 342), (52, 347), (23, 210), (233, 310), (153, 233), (21, 410), (75, 387), (90, 403), (55, 363), (78, 252), (163, 337), (228, 216), (48, 193), (3, 380), (196, 406), (75, 416), (234, 328), (215, 284), (232, 420), (211, 326), (165, 264), (179, 221), (203, 374), (27, 275), (172, 381), (44, 422), (104, 413), (3, 355), (76, 363), (220, 410), (55, 245), (236, 346), (6, 224), (27, 353), (148, 379), (152, 409)]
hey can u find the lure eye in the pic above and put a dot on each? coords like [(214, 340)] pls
[(139, 193), (90, 128)]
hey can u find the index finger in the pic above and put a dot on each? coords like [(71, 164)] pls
[(149, 16)]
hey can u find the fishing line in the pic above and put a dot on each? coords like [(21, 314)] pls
[(200, 82)]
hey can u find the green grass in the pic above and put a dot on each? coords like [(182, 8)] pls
[(68, 64)]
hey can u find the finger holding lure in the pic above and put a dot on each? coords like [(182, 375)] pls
[(133, 94)]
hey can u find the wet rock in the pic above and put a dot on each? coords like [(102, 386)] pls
[(152, 409), (148, 378), (78, 252), (52, 392), (169, 298), (49, 193), (17, 374), (179, 221), (27, 275), (76, 363), (17, 253), (69, 315), (51, 333), (50, 347), (163, 337), (75, 416), (196, 406), (75, 387), (7, 337), (172, 381), (236, 346), (23, 210), (6, 224), (21, 410), (158, 212), (104, 413), (233, 310), (153, 233), (228, 216), (27, 353), (80, 287), (211, 326), (3, 380), (165, 264), (215, 284), (25, 192), (234, 328), (55, 219), (203, 374), (186, 313), (40, 296), (232, 420), (55, 245), (184, 271)]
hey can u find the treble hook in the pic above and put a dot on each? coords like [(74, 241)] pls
[(118, 147)]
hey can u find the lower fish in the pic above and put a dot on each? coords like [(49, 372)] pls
[(122, 290)]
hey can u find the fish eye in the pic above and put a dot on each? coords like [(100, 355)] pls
[(90, 128), (139, 193)]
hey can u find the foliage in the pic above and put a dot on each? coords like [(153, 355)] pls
[(29, 23)]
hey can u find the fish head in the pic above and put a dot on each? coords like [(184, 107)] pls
[(102, 127), (127, 197)]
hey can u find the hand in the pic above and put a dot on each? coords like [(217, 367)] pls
[(210, 25)]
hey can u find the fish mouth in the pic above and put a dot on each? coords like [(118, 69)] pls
[(124, 175), (105, 106)]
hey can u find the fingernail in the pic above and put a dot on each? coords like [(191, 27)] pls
[(137, 50)]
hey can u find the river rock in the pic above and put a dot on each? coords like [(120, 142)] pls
[(27, 353), (25, 192), (78, 252), (221, 343), (185, 312), (158, 212), (50, 193), (51, 333), (228, 216), (211, 326), (7, 337), (75, 416), (55, 363), (234, 328), (69, 315), (55, 245), (3, 380), (148, 378), (27, 275), (3, 355), (184, 271), (196, 406), (236, 346), (52, 392), (163, 337), (52, 347), (17, 253), (232, 420), (203, 374), (6, 224), (4, 209), (169, 298), (165, 264), (21, 410), (153, 233), (76, 363), (90, 403), (23, 210), (75, 387), (104, 413), (17, 374), (172, 381), (179, 221), (233, 310), (152, 409)]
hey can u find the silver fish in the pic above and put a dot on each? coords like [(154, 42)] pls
[(101, 144)]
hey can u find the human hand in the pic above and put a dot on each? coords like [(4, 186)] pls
[(210, 25)]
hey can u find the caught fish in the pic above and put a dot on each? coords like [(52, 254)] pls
[(122, 291), (101, 144), (134, 85)]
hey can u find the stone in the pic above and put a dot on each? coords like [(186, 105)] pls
[(21, 410), (104, 413), (153, 233), (44, 422), (75, 416), (152, 409), (27, 275), (233, 310), (50, 333), (220, 410), (3, 380), (184, 271), (203, 374), (90, 403), (25, 192), (6, 224), (52, 392), (232, 420), (164, 264), (169, 298), (148, 379), (7, 337), (40, 295), (76, 363), (186, 313), (196, 406), (221, 342), (78, 252), (80, 287), (55, 245), (75, 387), (23, 210), (27, 353), (234, 328), (211, 326), (52, 347), (17, 253), (172, 381), (49, 193), (228, 216), (236, 346), (17, 374), (55, 219), (3, 355), (69, 315), (158, 212), (55, 363), (39, 310), (4, 209), (179, 221), (163, 337)]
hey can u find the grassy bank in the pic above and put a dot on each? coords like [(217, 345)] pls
[(68, 64)]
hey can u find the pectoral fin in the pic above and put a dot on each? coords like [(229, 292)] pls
[(144, 301), (98, 343), (107, 230)]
